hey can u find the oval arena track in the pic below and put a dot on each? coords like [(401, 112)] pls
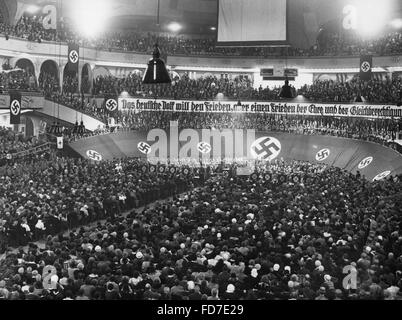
[(369, 158)]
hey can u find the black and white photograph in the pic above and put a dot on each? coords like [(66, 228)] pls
[(190, 157)]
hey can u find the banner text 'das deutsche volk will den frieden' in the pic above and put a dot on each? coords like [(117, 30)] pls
[(299, 109)]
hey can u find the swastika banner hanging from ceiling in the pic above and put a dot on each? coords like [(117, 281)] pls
[(73, 57), (15, 108), (366, 66)]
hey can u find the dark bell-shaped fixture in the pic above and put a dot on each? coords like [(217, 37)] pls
[(156, 71)]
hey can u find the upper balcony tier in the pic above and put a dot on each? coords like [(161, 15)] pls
[(37, 53)]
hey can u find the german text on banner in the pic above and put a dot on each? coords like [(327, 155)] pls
[(137, 105)]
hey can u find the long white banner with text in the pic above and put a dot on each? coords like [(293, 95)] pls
[(306, 109)]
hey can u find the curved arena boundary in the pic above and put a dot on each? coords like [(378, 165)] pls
[(372, 160)]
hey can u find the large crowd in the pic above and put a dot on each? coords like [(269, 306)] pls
[(127, 229), (17, 79), (61, 193), (12, 143), (388, 91), (264, 237), (333, 44), (238, 88), (208, 87), (204, 88), (383, 131)]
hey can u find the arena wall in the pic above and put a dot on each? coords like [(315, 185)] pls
[(370, 159)]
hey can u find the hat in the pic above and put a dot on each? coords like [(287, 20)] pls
[(327, 277), (287, 268), (317, 263), (230, 288), (190, 285), (225, 256), (54, 278), (63, 281), (254, 273)]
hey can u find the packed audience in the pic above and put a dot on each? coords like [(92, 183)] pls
[(332, 44), (285, 233), (388, 91), (379, 130), (204, 88), (17, 79), (373, 91), (234, 238), (12, 143), (63, 193), (238, 88)]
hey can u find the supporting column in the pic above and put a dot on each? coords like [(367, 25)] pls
[(61, 74)]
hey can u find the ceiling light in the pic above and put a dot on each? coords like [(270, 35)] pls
[(174, 27), (156, 71)]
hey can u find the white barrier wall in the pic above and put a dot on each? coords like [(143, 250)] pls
[(70, 115)]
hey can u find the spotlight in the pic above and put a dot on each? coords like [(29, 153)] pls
[(396, 23), (220, 96), (373, 16), (174, 27), (124, 94), (213, 28), (32, 9), (90, 16)]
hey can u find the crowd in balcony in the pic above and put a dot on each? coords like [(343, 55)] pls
[(387, 91), (204, 88), (31, 28), (17, 79)]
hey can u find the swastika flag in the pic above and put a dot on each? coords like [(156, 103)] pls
[(111, 103), (366, 65), (15, 107), (73, 57)]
